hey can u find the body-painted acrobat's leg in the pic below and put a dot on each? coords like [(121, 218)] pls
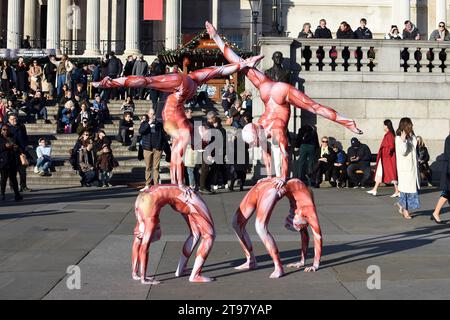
[(203, 220), (240, 219), (138, 234), (263, 213), (188, 247), (150, 226)]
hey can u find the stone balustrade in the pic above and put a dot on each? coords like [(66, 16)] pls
[(333, 55)]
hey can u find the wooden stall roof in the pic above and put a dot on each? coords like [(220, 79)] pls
[(200, 51)]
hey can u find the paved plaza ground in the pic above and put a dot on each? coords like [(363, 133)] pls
[(92, 228)]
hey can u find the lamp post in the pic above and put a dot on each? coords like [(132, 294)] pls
[(255, 5)]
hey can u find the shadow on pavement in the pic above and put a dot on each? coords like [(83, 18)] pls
[(357, 251)]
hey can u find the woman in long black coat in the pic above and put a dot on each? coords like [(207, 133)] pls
[(9, 160), (22, 76), (445, 183)]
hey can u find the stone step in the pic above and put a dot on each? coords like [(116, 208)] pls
[(74, 179)]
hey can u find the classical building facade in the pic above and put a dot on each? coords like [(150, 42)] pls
[(93, 27)]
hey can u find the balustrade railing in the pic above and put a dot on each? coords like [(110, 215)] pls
[(332, 55)]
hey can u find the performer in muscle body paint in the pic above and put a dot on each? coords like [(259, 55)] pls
[(182, 87), (262, 198), (277, 98), (194, 210)]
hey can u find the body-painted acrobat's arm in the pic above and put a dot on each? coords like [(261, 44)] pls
[(166, 82), (204, 75), (302, 101), (255, 76)]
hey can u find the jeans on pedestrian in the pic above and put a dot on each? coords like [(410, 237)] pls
[(61, 82), (43, 164), (192, 176), (306, 162), (105, 177)]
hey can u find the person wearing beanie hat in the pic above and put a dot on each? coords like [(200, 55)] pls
[(359, 157)]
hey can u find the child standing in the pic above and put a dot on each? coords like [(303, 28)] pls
[(105, 165)]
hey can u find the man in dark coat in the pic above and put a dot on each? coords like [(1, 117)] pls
[(8, 163), (308, 143), (140, 68), (19, 134), (128, 71), (363, 32), (322, 32), (152, 140), (359, 156), (114, 69), (50, 76), (445, 183)]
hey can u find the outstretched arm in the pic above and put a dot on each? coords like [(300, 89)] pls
[(300, 100), (255, 76), (204, 75), (166, 82)]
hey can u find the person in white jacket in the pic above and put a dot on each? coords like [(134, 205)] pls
[(408, 177), (44, 158)]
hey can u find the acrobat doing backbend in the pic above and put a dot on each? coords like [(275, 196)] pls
[(194, 210), (182, 88), (262, 199), (277, 98)]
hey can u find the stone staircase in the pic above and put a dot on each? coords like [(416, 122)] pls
[(130, 169)]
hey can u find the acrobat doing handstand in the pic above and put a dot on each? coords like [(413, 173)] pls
[(262, 199), (277, 98), (193, 209), (181, 87)]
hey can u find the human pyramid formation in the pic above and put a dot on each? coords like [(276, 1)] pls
[(262, 198)]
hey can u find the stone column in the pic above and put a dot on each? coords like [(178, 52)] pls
[(172, 23), (13, 32), (29, 26), (53, 24), (441, 11), (401, 11), (132, 28), (65, 23), (215, 13), (117, 26), (93, 28)]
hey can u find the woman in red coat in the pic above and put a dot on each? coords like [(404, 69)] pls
[(386, 162)]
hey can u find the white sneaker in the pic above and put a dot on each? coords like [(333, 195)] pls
[(372, 192), (215, 187), (145, 189), (396, 195), (36, 170)]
